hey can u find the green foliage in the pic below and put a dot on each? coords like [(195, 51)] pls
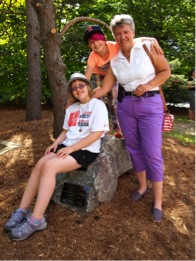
[(175, 89), (184, 139), (13, 74), (75, 59), (171, 22), (180, 133), (13, 67)]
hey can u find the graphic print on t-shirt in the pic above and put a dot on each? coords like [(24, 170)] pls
[(84, 119), (73, 118), (81, 120)]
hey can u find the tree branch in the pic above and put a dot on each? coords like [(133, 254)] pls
[(81, 19)]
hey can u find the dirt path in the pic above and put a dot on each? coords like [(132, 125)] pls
[(119, 230)]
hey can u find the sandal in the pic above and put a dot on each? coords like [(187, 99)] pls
[(157, 214), (136, 195)]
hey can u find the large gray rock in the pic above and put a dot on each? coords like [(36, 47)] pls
[(82, 190)]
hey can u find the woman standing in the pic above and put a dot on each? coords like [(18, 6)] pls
[(77, 146), (140, 109)]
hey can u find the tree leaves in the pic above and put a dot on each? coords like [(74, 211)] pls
[(171, 22)]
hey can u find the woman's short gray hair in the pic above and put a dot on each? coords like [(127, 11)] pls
[(122, 19)]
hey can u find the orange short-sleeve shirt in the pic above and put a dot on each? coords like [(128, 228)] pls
[(99, 64)]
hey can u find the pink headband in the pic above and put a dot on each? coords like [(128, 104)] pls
[(96, 37)]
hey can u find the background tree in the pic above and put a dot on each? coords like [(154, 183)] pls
[(51, 42), (13, 73), (172, 23), (34, 91)]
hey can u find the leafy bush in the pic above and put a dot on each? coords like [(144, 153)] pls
[(175, 89)]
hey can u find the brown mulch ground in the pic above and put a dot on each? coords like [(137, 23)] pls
[(119, 230)]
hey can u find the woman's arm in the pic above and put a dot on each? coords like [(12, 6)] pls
[(106, 85), (162, 68), (89, 71)]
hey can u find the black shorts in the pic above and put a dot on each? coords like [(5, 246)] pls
[(83, 157)]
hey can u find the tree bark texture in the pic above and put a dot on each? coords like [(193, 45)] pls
[(51, 42), (34, 90)]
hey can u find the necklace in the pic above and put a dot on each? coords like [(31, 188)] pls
[(82, 115)]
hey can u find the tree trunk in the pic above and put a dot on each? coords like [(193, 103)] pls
[(51, 42), (34, 91)]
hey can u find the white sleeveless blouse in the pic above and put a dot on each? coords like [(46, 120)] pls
[(140, 70)]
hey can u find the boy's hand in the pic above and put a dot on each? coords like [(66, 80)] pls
[(157, 47)]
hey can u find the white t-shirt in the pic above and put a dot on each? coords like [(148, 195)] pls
[(140, 70), (83, 119)]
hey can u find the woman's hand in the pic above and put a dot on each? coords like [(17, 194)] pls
[(142, 88), (106, 85)]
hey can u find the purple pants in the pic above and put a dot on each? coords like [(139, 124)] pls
[(141, 119)]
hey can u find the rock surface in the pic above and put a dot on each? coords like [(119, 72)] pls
[(82, 190)]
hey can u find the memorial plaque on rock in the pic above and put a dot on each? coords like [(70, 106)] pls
[(75, 195)]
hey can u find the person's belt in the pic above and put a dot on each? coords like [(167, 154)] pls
[(146, 94)]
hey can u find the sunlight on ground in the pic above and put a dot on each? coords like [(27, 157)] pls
[(24, 140), (175, 217), (179, 224)]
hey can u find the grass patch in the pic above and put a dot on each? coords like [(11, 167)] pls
[(181, 119), (184, 138)]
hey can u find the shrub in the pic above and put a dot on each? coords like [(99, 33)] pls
[(175, 89)]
